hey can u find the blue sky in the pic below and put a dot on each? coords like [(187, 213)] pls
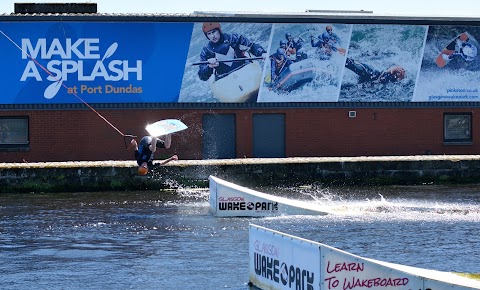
[(468, 8)]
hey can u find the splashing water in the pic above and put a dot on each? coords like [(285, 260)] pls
[(392, 203)]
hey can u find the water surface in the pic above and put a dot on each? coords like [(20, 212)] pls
[(169, 240)]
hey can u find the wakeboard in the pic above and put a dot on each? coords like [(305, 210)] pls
[(164, 127)]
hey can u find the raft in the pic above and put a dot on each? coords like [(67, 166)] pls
[(295, 75)]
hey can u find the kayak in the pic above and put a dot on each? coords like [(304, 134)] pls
[(239, 86)]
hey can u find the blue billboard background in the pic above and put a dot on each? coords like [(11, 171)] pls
[(156, 62), (159, 49)]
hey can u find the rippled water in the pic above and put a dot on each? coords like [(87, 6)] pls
[(169, 240)]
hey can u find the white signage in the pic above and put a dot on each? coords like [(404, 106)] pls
[(280, 261), (228, 199)]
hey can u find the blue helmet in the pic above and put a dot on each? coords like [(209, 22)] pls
[(288, 35), (325, 36), (280, 53), (283, 42)]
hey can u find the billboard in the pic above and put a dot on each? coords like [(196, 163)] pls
[(282, 261), (187, 62)]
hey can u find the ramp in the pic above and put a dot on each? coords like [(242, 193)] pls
[(229, 200), (282, 261)]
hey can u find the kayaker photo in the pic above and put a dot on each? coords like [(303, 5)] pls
[(222, 48), (225, 62), (367, 73)]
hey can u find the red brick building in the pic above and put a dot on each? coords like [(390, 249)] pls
[(53, 62)]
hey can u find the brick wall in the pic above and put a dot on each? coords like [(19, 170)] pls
[(81, 135), (330, 132)]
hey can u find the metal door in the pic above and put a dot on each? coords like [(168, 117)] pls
[(219, 136), (269, 135)]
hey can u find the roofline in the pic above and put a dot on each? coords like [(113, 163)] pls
[(306, 17)]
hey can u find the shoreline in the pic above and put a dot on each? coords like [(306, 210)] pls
[(78, 176)]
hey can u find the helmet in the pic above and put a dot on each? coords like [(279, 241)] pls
[(283, 42), (469, 50), (207, 26), (288, 35), (142, 170), (398, 72), (280, 53)]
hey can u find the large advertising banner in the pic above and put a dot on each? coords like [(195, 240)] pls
[(225, 62), (280, 261), (52, 62), (211, 62), (382, 63), (450, 66), (306, 63)]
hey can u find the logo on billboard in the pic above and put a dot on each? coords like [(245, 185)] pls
[(247, 205), (82, 60), (279, 272), (267, 248)]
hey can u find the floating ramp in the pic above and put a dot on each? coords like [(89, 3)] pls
[(231, 200), (282, 261)]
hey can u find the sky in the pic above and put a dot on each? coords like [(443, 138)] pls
[(443, 8)]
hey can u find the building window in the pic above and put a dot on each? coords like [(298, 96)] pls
[(13, 132), (457, 128)]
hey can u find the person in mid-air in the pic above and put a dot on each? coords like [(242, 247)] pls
[(144, 152), (368, 74), (222, 46)]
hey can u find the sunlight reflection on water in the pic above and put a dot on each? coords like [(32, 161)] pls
[(169, 240)]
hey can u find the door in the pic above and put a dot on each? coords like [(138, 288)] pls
[(268, 135), (219, 136)]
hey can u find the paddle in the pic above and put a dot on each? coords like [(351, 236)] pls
[(229, 60)]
